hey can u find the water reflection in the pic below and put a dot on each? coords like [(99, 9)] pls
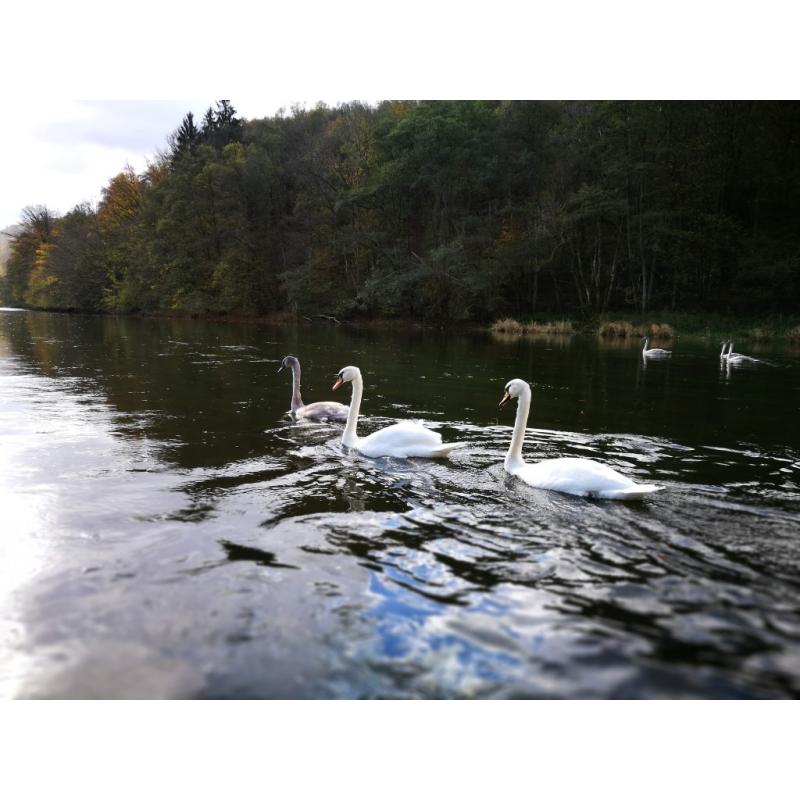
[(178, 536)]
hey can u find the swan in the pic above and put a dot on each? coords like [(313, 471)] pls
[(404, 439), (738, 358), (654, 352), (580, 476), (314, 411)]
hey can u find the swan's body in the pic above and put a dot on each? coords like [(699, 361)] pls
[(316, 412), (580, 476), (738, 358), (403, 440), (654, 352)]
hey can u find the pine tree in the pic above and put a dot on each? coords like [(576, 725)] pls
[(186, 138)]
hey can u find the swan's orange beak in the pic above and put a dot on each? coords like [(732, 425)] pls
[(506, 398), (338, 383)]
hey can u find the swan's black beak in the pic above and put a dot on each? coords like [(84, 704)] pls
[(506, 398), (338, 383), (280, 368)]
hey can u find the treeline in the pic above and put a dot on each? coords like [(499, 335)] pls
[(439, 210)]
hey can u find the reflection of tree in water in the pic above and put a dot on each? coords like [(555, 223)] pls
[(208, 394)]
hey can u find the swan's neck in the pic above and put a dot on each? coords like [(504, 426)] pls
[(297, 401), (514, 458), (722, 352), (646, 342), (349, 438)]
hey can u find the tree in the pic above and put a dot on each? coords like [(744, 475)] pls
[(186, 138)]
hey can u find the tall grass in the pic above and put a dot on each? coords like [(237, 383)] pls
[(706, 326), (508, 325), (760, 334), (622, 329)]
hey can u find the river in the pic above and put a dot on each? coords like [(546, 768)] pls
[(168, 531)]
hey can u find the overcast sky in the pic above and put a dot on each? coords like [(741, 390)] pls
[(62, 153)]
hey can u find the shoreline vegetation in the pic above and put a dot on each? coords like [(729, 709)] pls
[(687, 326), (447, 213), (684, 326)]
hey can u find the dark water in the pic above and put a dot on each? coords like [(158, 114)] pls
[(167, 532)]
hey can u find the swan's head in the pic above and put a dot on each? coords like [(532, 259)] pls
[(345, 375), (514, 388), (289, 362)]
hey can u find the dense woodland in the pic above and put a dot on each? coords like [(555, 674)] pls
[(446, 211)]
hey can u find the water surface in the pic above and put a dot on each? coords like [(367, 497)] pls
[(169, 532)]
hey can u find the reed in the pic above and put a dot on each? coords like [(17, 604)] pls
[(507, 325), (760, 334), (623, 329), (616, 329), (661, 330), (559, 327)]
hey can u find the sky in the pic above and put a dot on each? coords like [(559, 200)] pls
[(60, 152), (68, 150)]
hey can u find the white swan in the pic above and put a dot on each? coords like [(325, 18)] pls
[(579, 476), (654, 352), (313, 411), (404, 439), (738, 358)]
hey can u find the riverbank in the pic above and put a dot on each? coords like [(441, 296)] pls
[(612, 326)]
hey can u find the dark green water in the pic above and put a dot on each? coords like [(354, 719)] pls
[(168, 532)]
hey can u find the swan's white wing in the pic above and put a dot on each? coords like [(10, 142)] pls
[(404, 439), (323, 410), (739, 359), (632, 493), (581, 476)]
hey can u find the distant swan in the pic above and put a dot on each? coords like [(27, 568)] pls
[(580, 476), (654, 352), (316, 412), (738, 358), (404, 439)]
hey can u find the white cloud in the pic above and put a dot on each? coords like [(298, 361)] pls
[(61, 153)]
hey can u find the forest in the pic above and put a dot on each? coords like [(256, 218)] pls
[(445, 211)]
